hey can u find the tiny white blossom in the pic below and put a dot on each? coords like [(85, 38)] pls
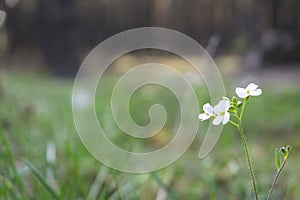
[(208, 112), (250, 90), (221, 110)]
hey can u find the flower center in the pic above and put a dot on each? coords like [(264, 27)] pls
[(248, 91), (222, 113)]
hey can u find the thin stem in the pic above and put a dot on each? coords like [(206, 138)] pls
[(233, 123), (276, 179), (248, 159), (237, 117), (242, 111)]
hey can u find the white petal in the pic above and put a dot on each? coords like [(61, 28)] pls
[(225, 105), (241, 92), (218, 109), (226, 118), (207, 108), (222, 106), (251, 86), (256, 92), (217, 120), (203, 116)]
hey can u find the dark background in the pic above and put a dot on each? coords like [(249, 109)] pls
[(59, 33)]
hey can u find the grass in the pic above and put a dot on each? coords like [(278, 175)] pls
[(35, 110)]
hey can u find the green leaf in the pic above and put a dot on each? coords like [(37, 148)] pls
[(288, 149), (277, 158)]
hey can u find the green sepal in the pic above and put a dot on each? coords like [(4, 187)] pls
[(288, 148)]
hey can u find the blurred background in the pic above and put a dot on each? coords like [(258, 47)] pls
[(42, 45), (58, 34)]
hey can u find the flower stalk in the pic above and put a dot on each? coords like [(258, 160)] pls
[(248, 160), (242, 134), (275, 180), (284, 151), (221, 114)]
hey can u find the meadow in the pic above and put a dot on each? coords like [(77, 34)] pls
[(42, 157)]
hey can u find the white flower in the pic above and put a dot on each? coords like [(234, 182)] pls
[(250, 90), (208, 112), (221, 110)]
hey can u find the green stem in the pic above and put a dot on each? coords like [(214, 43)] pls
[(237, 117), (233, 123), (242, 111), (248, 159), (276, 179)]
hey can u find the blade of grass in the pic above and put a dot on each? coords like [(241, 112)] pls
[(113, 188), (12, 161), (98, 183), (38, 175), (162, 194), (9, 190), (161, 184), (129, 188)]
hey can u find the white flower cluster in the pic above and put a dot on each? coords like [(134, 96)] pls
[(220, 112)]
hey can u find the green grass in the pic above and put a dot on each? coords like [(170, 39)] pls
[(35, 110)]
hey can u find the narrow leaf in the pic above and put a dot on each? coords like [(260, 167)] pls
[(277, 158), (38, 175), (288, 148)]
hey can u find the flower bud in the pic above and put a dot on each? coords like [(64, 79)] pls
[(239, 104), (283, 151), (233, 99)]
